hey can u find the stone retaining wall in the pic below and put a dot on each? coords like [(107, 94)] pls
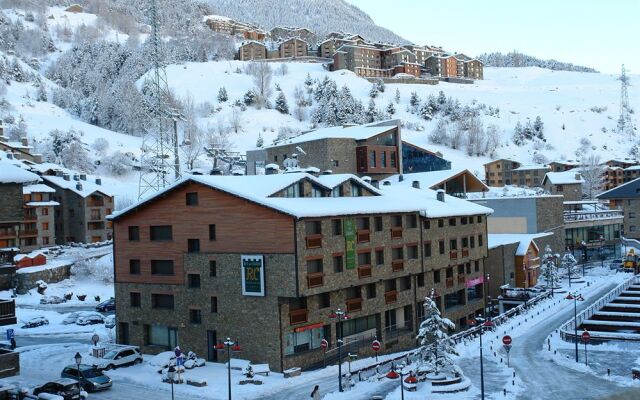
[(27, 281)]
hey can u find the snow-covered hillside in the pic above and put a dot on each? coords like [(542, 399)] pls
[(564, 100)]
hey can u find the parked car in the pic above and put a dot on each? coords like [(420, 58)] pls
[(120, 357), (107, 305), (90, 378), (90, 319), (71, 317), (68, 389), (52, 300), (35, 322), (110, 321)]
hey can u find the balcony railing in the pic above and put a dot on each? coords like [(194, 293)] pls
[(314, 241), (298, 316), (391, 296), (31, 232), (364, 271), (465, 253), (396, 233), (7, 233), (591, 216), (397, 265), (7, 308), (30, 216), (315, 279), (453, 255), (461, 279), (354, 304), (450, 282), (363, 236)]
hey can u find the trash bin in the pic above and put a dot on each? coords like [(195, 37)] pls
[(635, 373)]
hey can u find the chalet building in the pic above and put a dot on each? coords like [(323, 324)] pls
[(498, 172), (631, 173), (513, 260), (231, 27), (528, 175), (626, 198), (473, 69), (443, 66), (567, 183), (266, 259), (18, 150), (621, 163), (422, 53), (375, 150), (283, 33), (560, 166), (252, 50), (39, 217), (454, 182), (612, 177), (292, 48)]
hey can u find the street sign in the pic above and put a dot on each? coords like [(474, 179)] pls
[(375, 346), (324, 344), (10, 334), (506, 340), (507, 347), (586, 336)]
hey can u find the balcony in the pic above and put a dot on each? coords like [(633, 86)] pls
[(573, 216), (390, 296), (298, 316), (453, 255), (7, 233), (315, 279), (314, 241), (354, 304), (465, 253), (396, 233), (95, 216), (30, 216), (450, 282), (95, 202), (397, 265), (29, 233), (461, 279), (364, 271), (7, 312), (363, 236)]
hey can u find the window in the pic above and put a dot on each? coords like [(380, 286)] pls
[(453, 244), (160, 232), (436, 276), (479, 219), (426, 224), (396, 253), (214, 304), (337, 191), (213, 269), (292, 191), (134, 298), (440, 223), (372, 159), (427, 249), (337, 264), (559, 188), (392, 159), (193, 245), (134, 267), (472, 241), (299, 342), (195, 316), (468, 268), (420, 279), (193, 280), (45, 211), (324, 300), (380, 257), (461, 269), (452, 222), (383, 160), (134, 233), (480, 241), (192, 199), (356, 190), (465, 242), (313, 227), (631, 215), (161, 267), (45, 225), (371, 291), (378, 224), (362, 223), (162, 301), (476, 266), (314, 266), (412, 221), (412, 252), (212, 231), (441, 247), (463, 221), (364, 258), (337, 226), (405, 283)]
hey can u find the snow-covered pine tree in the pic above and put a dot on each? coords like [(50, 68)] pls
[(538, 128), (518, 135), (308, 83), (549, 268), (437, 346), (391, 109), (442, 99), (414, 101), (260, 141), (373, 92), (222, 95), (372, 112), (396, 97), (433, 103), (569, 264), (426, 112), (250, 97), (281, 103), (380, 85)]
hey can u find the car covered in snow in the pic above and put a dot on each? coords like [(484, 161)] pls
[(35, 322), (91, 318), (107, 305), (90, 378), (120, 356), (68, 389), (110, 321), (52, 300)]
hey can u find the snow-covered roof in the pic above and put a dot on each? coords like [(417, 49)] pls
[(569, 177), (37, 188), (88, 187), (10, 173), (334, 180), (529, 167), (633, 168), (522, 239), (393, 199), (432, 179), (510, 191), (43, 204), (629, 190), (356, 132)]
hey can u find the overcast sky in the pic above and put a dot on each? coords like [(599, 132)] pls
[(602, 34)]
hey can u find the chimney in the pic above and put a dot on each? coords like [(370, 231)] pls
[(416, 184), (98, 181), (66, 177), (25, 141), (76, 177), (327, 172), (58, 172), (78, 186), (440, 195), (9, 156), (375, 184), (578, 177), (83, 177), (400, 178), (386, 183)]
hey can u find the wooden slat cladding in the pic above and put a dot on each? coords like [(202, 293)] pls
[(241, 227)]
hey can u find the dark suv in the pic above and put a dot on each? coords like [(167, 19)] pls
[(66, 388), (90, 378), (107, 305)]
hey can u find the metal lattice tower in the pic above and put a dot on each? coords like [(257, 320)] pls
[(624, 122), (159, 162)]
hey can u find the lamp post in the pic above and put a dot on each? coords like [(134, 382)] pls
[(575, 297), (394, 374), (230, 346), (339, 316), (584, 255), (601, 251), (171, 373), (485, 324), (78, 359)]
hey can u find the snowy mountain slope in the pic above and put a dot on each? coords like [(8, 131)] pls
[(560, 98), (321, 16)]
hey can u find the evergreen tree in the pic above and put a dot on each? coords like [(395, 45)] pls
[(414, 101), (250, 97), (260, 141), (549, 269), (426, 112), (397, 96), (538, 127), (373, 93), (518, 135), (442, 99), (281, 103), (380, 85), (569, 264), (42, 93), (437, 346), (308, 83), (432, 102), (222, 95), (391, 109)]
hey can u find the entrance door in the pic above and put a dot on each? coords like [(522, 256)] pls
[(212, 354), (173, 338), (123, 333)]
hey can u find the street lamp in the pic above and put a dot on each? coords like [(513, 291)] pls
[(230, 346), (394, 374), (171, 373), (601, 251), (485, 324), (584, 255), (339, 316), (575, 297)]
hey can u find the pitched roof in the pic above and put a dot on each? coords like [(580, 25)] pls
[(522, 239), (529, 167), (356, 132), (10, 173), (569, 177), (37, 188), (629, 190), (432, 179), (333, 180)]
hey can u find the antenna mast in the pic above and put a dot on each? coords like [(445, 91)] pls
[(159, 163), (625, 124)]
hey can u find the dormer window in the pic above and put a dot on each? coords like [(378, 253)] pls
[(356, 191), (337, 191), (292, 191)]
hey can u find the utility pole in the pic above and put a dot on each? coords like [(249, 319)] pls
[(624, 121)]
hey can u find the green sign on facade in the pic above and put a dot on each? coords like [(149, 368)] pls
[(253, 275), (350, 242)]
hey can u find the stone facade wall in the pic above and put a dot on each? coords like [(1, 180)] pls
[(322, 154), (500, 265), (10, 202), (550, 218), (26, 281), (631, 211)]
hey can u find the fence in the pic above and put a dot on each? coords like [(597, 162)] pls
[(591, 216), (568, 329)]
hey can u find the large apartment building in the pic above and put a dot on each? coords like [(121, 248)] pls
[(292, 48), (252, 50), (266, 259), (18, 150), (225, 25)]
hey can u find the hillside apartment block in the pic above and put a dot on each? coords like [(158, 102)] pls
[(266, 259), (375, 150)]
